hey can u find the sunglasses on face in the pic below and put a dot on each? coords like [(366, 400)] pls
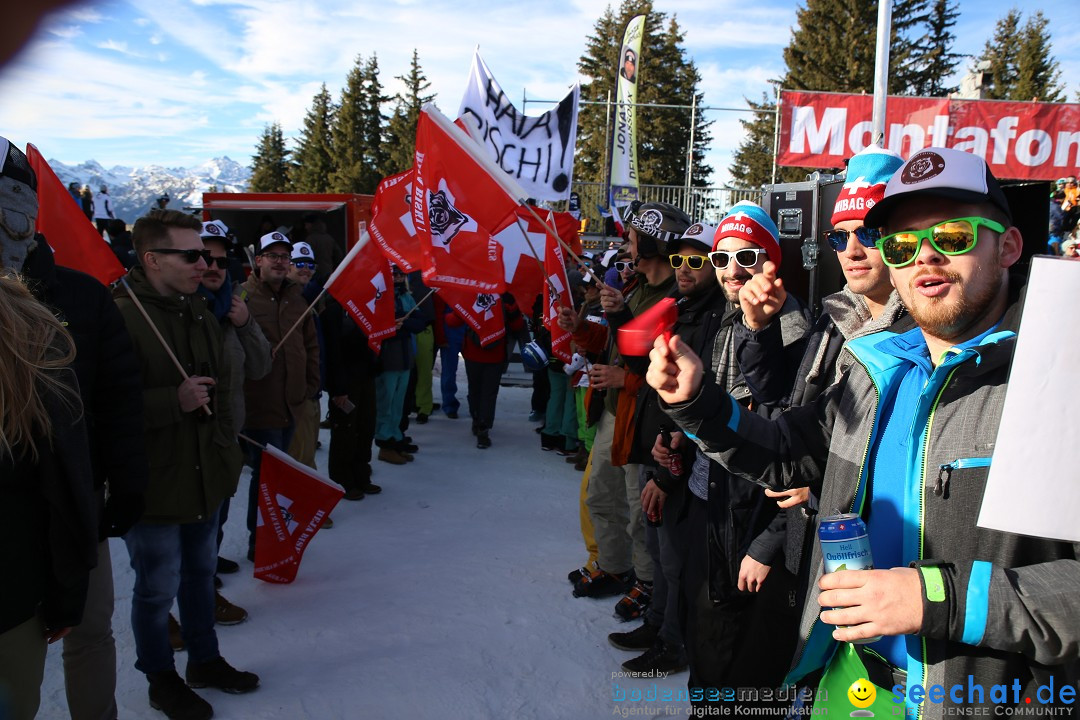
[(222, 262), (746, 258), (189, 256), (303, 265), (624, 265), (951, 237), (694, 262), (867, 237)]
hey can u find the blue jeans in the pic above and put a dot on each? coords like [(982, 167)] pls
[(276, 437), (173, 561), (449, 355)]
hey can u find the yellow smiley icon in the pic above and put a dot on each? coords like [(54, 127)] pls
[(862, 693)]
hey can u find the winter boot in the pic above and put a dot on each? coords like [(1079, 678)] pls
[(370, 488), (640, 638), (405, 445), (483, 440), (584, 571), (392, 456), (600, 584), (225, 613), (549, 442), (219, 674), (176, 637), (659, 658), (353, 492), (170, 695), (634, 604)]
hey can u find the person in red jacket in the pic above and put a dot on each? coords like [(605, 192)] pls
[(484, 366)]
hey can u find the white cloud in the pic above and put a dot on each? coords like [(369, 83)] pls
[(65, 32)]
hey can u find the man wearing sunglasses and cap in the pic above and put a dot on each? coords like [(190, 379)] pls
[(905, 440), (194, 463)]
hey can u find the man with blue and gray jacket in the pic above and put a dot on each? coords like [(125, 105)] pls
[(905, 439)]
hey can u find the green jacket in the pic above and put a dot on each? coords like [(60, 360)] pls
[(194, 462)]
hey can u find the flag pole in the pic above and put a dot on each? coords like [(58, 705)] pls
[(298, 321), (157, 334), (551, 231), (417, 305)]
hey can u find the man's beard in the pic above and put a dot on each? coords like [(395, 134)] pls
[(947, 320)]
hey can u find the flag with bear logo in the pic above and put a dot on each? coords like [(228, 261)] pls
[(363, 284), (482, 312), (392, 221), (457, 207), (294, 502)]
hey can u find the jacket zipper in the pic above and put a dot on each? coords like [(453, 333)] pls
[(922, 504), (862, 477), (945, 471)]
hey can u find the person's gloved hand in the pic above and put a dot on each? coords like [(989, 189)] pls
[(122, 510)]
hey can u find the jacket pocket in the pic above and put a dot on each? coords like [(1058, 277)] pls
[(946, 471)]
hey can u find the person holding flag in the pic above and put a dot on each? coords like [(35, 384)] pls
[(194, 462)]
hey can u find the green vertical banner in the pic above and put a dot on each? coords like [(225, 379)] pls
[(624, 167)]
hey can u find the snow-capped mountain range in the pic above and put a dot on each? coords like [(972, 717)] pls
[(134, 190)]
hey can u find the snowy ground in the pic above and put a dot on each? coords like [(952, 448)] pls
[(443, 597)]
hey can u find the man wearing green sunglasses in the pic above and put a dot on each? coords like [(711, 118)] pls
[(906, 440)]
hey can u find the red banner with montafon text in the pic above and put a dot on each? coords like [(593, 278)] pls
[(1019, 140)]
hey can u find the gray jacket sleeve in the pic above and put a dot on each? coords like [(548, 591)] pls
[(257, 360)]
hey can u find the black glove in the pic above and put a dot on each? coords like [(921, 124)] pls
[(122, 510)]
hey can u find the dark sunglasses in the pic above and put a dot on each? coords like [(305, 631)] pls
[(222, 262), (838, 239), (952, 237), (624, 265), (747, 257), (190, 256), (694, 262), (304, 264)]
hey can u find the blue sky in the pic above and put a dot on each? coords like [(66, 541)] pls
[(177, 82)]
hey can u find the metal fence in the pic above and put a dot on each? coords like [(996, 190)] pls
[(700, 203)]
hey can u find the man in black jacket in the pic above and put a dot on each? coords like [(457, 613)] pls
[(111, 391)]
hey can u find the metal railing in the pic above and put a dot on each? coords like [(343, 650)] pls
[(700, 203)]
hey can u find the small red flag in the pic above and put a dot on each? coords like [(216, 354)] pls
[(636, 337), (74, 240), (392, 221), (364, 286), (294, 501), (482, 312), (556, 295)]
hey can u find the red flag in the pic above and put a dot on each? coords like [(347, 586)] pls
[(294, 501), (457, 206), (556, 295), (482, 312), (522, 250), (74, 240), (392, 224), (364, 286), (568, 227), (636, 337)]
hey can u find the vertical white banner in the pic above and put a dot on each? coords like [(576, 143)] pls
[(624, 166)]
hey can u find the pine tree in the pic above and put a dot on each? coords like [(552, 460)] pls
[(934, 59), (269, 165), (667, 78), (1037, 73), (314, 160), (358, 129), (401, 131), (1002, 52)]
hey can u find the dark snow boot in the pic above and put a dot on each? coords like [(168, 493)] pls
[(640, 638), (170, 695), (658, 659)]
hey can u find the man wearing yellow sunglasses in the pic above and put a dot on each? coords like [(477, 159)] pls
[(905, 440)]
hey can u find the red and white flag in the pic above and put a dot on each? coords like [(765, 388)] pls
[(392, 221), (364, 286), (74, 240), (482, 312), (457, 206), (556, 295), (523, 244), (294, 501)]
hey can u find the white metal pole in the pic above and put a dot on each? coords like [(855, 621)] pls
[(881, 69)]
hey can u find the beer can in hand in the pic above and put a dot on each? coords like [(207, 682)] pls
[(845, 545)]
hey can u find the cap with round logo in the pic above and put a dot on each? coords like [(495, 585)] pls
[(272, 238), (302, 251), (940, 172)]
